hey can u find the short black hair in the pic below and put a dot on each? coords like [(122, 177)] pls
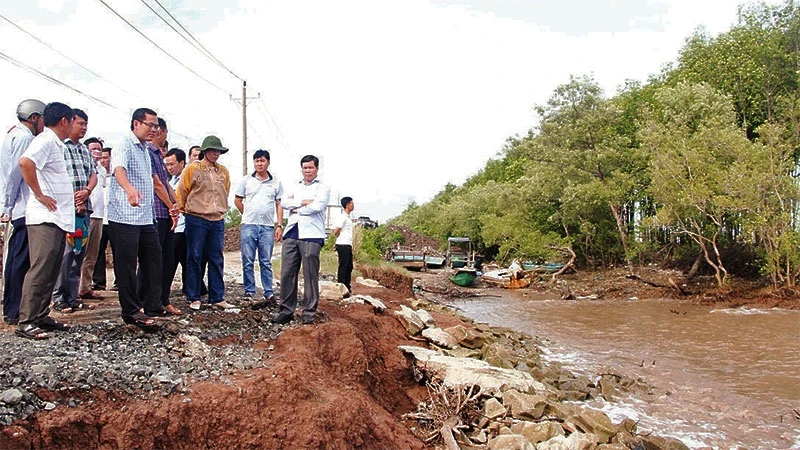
[(162, 123), (179, 154), (92, 140), (310, 158), (106, 149), (201, 155), (345, 201), (80, 113), (140, 113), (261, 154), (54, 112)]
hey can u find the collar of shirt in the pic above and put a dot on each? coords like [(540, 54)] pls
[(269, 176), (303, 181)]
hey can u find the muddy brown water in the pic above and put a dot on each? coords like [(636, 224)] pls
[(720, 378)]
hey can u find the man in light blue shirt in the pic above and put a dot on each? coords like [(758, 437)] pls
[(306, 203)]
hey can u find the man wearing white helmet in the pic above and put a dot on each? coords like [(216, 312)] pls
[(15, 197)]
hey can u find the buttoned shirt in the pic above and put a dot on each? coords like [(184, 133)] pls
[(160, 210), (346, 224), (259, 197), (181, 219), (80, 166), (15, 191), (100, 193), (309, 220), (133, 157), (47, 153)]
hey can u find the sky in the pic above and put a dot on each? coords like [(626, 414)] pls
[(396, 98)]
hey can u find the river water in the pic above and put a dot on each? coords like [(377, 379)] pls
[(721, 378)]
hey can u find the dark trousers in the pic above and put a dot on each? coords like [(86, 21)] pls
[(180, 258), (99, 273), (132, 244), (204, 242), (345, 253), (166, 240), (47, 243), (69, 277), (17, 263), (293, 252)]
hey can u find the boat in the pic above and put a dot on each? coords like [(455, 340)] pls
[(548, 267), (458, 252), (434, 261), (410, 259), (464, 277), (508, 279)]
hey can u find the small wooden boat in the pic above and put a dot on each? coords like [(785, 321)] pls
[(434, 261), (507, 278), (410, 259), (464, 277), (548, 267)]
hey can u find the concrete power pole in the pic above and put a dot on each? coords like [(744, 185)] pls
[(244, 100)]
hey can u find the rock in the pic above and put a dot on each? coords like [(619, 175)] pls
[(575, 441), (607, 387), (510, 442), (462, 352), (410, 320), (478, 437), (426, 317), (377, 305), (596, 422), (439, 337), (524, 406), (468, 338), (49, 406), (612, 447), (43, 369), (459, 372), (498, 355), (492, 408), (367, 282), (330, 290), (193, 346), (662, 443), (12, 396), (537, 432)]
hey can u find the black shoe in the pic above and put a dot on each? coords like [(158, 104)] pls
[(63, 308), (308, 320), (98, 287), (47, 323), (266, 303), (10, 321), (281, 319)]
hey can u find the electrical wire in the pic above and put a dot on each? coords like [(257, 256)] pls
[(193, 42), (47, 77), (37, 39), (160, 48)]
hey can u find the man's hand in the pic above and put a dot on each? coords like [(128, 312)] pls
[(133, 197), (278, 234), (81, 196), (174, 211), (48, 202)]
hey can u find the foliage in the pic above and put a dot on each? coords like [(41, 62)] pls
[(233, 218)]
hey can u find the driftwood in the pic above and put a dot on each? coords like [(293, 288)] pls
[(672, 284), (569, 265)]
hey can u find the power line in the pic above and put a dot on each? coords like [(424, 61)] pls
[(60, 53), (160, 48), (196, 44), (53, 80)]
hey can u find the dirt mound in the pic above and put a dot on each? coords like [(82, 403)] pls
[(415, 240), (392, 279), (233, 239), (339, 384)]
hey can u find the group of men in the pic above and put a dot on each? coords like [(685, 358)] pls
[(65, 199)]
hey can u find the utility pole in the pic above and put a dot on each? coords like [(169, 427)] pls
[(244, 100)]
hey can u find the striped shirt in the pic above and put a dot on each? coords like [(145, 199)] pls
[(47, 153), (131, 156), (80, 167)]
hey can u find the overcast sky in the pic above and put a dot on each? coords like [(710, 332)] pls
[(396, 98)]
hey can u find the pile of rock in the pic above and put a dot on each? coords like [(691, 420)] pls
[(519, 402)]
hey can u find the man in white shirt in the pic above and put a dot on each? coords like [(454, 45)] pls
[(98, 202), (307, 203), (49, 216), (15, 197), (343, 230), (258, 198)]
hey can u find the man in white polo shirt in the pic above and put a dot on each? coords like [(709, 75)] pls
[(343, 230), (49, 216), (258, 198)]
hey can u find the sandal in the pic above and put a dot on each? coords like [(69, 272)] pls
[(172, 309), (91, 296), (49, 324), (143, 321), (80, 306), (31, 331)]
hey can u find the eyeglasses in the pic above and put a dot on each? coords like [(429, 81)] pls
[(152, 126)]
